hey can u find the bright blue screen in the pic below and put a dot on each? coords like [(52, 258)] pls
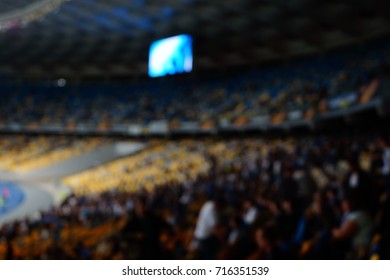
[(170, 56)]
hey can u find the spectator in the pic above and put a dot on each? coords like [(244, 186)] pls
[(204, 235), (143, 228), (355, 230), (385, 145)]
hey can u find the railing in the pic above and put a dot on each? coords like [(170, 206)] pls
[(165, 128)]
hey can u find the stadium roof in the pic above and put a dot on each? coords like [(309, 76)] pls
[(107, 38)]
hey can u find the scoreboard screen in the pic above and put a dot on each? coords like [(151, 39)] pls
[(170, 56)]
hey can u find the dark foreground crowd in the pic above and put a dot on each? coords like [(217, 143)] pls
[(261, 199)]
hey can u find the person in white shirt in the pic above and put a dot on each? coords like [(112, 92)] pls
[(203, 242), (250, 212), (356, 227), (207, 220), (383, 142), (385, 145)]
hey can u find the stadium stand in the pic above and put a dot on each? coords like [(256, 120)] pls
[(29, 153), (265, 191), (69, 150), (164, 164), (310, 88)]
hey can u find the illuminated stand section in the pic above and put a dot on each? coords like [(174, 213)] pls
[(171, 56)]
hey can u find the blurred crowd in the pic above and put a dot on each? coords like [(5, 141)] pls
[(306, 85), (161, 164), (306, 198), (250, 198)]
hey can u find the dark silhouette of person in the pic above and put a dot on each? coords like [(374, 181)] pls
[(143, 228)]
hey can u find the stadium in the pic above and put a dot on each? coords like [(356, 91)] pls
[(194, 129)]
